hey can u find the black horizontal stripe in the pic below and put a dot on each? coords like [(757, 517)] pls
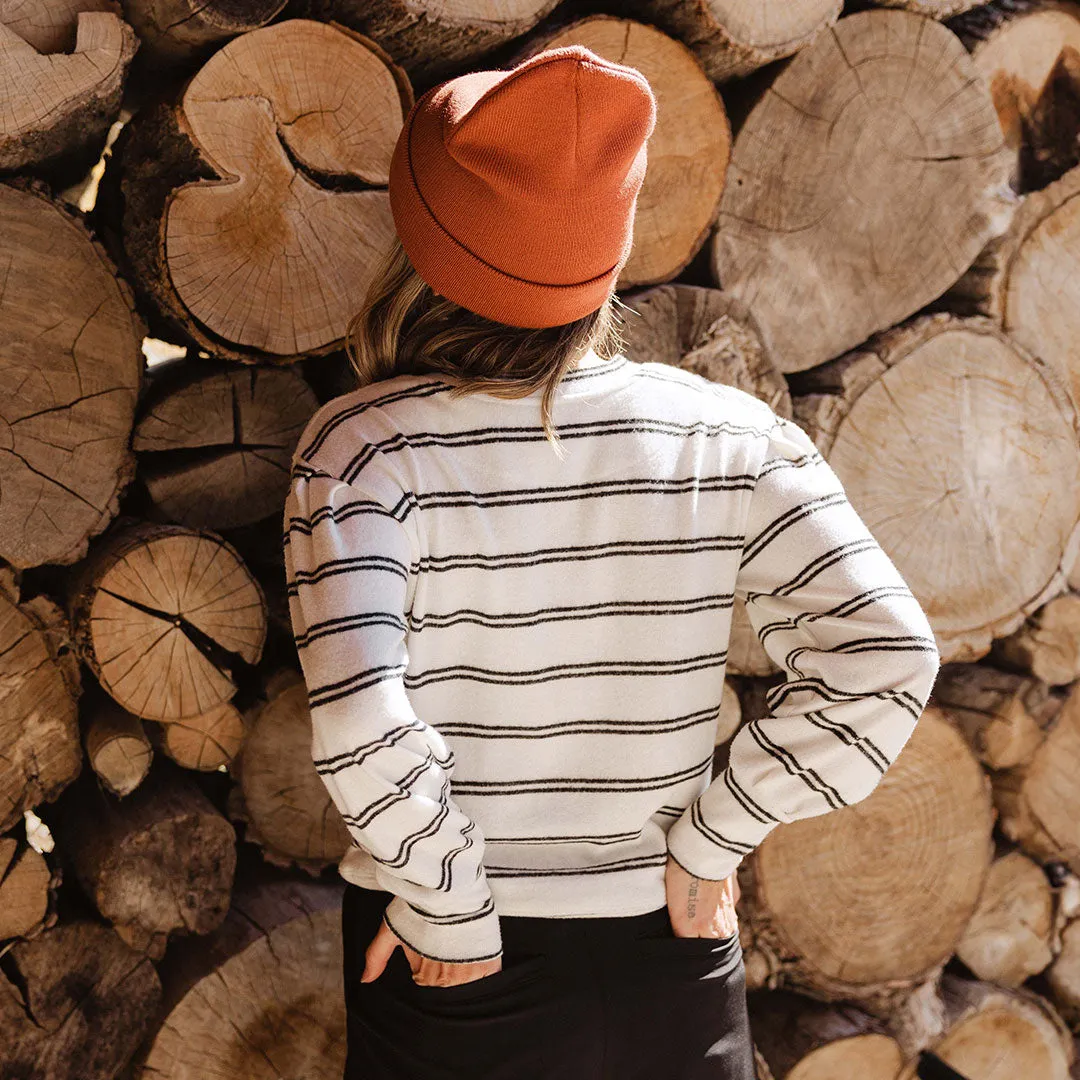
[(601, 838), (345, 623), (342, 512), (364, 817), (574, 612), (457, 918), (814, 684), (361, 680), (580, 553), (465, 729), (356, 754), (808, 776), (581, 784), (534, 433), (843, 610), (790, 517), (639, 862), (901, 643), (401, 856), (594, 489), (333, 567), (579, 670), (754, 809), (714, 836), (342, 415), (863, 743)]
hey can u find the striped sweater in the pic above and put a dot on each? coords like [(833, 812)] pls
[(515, 662)]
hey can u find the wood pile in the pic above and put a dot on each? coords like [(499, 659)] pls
[(865, 214)]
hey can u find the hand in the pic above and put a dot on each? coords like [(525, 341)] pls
[(426, 972), (700, 907)]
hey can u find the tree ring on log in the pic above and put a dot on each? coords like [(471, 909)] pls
[(39, 734), (861, 186), (979, 487), (56, 102), (283, 141), (168, 619), (287, 808), (72, 371), (870, 900), (215, 450)]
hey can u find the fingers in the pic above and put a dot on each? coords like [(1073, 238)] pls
[(378, 953), (443, 973)]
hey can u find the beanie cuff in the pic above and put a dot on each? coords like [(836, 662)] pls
[(453, 271)]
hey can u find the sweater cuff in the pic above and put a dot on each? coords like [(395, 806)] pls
[(714, 834), (465, 938)]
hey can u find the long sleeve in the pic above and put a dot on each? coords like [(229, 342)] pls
[(859, 656), (348, 551)]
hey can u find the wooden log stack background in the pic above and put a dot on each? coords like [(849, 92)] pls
[(867, 214)]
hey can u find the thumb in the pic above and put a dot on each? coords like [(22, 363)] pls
[(378, 953)]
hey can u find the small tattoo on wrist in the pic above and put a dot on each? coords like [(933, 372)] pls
[(691, 906)]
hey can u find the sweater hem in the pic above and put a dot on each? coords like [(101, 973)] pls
[(638, 890)]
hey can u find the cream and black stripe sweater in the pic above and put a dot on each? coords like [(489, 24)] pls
[(515, 662)]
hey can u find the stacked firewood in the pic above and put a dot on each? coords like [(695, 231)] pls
[(868, 215)]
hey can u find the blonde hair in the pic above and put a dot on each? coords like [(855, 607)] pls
[(404, 327)]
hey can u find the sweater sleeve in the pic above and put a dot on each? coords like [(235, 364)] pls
[(348, 552), (858, 654)]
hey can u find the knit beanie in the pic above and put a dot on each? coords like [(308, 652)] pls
[(514, 191)]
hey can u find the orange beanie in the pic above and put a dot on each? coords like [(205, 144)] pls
[(514, 191)]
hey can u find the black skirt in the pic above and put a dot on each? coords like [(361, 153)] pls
[(617, 998)]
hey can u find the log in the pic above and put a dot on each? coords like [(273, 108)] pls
[(932, 9), (1063, 975), (253, 210), (1053, 145), (433, 41), (204, 742), (1027, 54), (746, 655), (215, 447), (158, 862), (997, 1032), (1014, 456), (731, 38), (39, 735), (1009, 280), (59, 103), (51, 27), (281, 798), (708, 333), (1048, 643), (1038, 801), (167, 618), (173, 32), (688, 150), (802, 1039), (261, 997), (1002, 715), (71, 366), (874, 932), (1008, 938), (861, 186), (74, 1004), (26, 884), (117, 748)]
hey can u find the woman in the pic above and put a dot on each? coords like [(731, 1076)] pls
[(512, 555)]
